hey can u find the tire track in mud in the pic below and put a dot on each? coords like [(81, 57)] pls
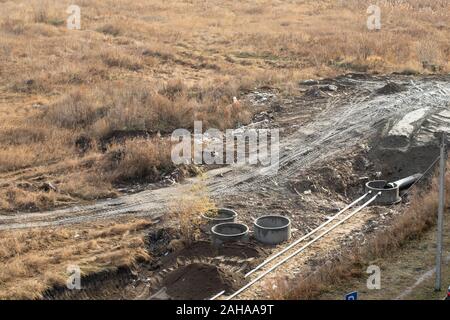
[(343, 127), (347, 120)]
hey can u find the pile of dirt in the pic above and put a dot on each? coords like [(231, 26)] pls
[(205, 249), (187, 273), (390, 88), (199, 281), (397, 164), (344, 176)]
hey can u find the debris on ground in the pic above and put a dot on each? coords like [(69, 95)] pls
[(391, 88)]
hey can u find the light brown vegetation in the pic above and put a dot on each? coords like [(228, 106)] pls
[(187, 212), (136, 66), (35, 260), (81, 109)]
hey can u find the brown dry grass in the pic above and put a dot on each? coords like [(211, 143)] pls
[(418, 218), (138, 159), (35, 260), (187, 211), (159, 66), (139, 66)]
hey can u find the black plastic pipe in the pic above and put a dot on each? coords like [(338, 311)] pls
[(405, 183)]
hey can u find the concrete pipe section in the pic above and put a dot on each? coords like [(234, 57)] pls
[(389, 193), (272, 229), (223, 215), (229, 232)]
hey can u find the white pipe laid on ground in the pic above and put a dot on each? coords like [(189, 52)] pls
[(301, 239), (302, 248), (217, 295), (307, 235)]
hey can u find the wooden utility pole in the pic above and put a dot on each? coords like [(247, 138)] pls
[(442, 167)]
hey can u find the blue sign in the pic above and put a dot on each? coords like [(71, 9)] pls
[(352, 296)]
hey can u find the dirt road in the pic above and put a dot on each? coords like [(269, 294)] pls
[(316, 125)]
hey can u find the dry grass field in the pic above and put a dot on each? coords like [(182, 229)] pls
[(35, 260), (85, 112), (77, 106)]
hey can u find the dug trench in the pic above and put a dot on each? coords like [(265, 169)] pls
[(195, 272)]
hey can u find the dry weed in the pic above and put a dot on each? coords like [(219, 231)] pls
[(187, 210)]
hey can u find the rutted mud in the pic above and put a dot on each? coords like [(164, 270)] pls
[(314, 130)]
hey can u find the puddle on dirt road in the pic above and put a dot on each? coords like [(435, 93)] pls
[(198, 271)]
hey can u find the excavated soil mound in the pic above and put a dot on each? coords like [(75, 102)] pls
[(390, 88), (344, 176), (397, 164), (205, 249), (199, 281)]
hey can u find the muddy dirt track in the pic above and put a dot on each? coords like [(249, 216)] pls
[(318, 124)]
